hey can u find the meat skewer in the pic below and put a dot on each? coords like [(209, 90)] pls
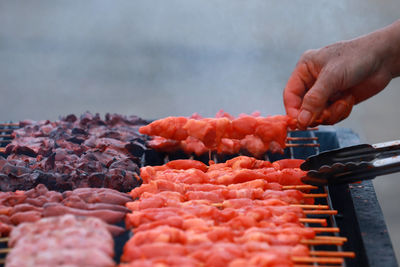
[(65, 240), (32, 205), (179, 206), (222, 134)]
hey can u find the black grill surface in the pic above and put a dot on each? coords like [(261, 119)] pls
[(359, 215)]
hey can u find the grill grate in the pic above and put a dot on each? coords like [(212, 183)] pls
[(357, 206), (326, 201)]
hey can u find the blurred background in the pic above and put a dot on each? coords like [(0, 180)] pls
[(159, 58)]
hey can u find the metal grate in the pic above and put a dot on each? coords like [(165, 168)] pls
[(6, 130), (359, 216)]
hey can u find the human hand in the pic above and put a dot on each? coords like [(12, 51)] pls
[(327, 82)]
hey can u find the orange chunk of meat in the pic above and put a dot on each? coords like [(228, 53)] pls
[(289, 163), (243, 126), (170, 128), (164, 144), (193, 145), (184, 164), (154, 250)]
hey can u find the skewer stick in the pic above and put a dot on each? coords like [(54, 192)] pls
[(315, 242), (302, 138), (302, 145), (323, 209), (325, 237), (325, 212), (310, 207), (326, 229), (299, 187), (4, 239), (318, 260), (2, 150), (308, 129), (9, 124), (4, 250), (5, 135), (5, 141), (2, 261), (346, 254), (314, 220), (315, 195)]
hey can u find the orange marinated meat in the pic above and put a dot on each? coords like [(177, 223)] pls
[(170, 128), (153, 250), (191, 145), (226, 214), (184, 164), (223, 134), (243, 126), (170, 261), (164, 144)]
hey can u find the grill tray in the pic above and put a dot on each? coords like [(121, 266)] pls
[(359, 215)]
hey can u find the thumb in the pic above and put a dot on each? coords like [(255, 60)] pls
[(315, 100)]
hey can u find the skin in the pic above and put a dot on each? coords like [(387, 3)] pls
[(329, 81)]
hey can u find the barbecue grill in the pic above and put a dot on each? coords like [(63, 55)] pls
[(358, 217)]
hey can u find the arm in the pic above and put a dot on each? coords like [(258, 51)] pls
[(327, 82)]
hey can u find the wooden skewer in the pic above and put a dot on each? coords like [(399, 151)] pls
[(314, 242), (302, 138), (2, 149), (6, 130), (318, 260), (5, 135), (302, 145), (2, 261), (326, 229), (320, 209), (326, 237), (4, 250), (314, 220), (9, 124), (299, 187), (346, 254), (308, 129), (4, 239), (5, 141), (310, 207), (315, 195), (325, 212)]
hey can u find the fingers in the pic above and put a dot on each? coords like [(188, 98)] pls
[(297, 86), (336, 112), (316, 99)]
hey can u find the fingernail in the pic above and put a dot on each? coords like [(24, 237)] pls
[(304, 117)]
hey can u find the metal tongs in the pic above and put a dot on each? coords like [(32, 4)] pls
[(352, 164)]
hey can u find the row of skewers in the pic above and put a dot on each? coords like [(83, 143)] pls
[(242, 212), (225, 134)]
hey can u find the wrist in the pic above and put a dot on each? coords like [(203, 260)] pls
[(389, 38)]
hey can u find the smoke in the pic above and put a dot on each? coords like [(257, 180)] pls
[(157, 58)]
